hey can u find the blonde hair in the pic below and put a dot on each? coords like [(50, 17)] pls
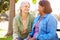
[(22, 4)]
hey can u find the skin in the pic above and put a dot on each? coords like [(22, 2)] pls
[(41, 13), (24, 10), (24, 13), (41, 10)]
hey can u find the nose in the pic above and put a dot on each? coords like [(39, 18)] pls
[(27, 8)]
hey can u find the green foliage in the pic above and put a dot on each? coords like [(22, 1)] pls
[(34, 1), (4, 5), (16, 0), (7, 38)]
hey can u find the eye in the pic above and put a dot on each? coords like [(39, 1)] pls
[(25, 6)]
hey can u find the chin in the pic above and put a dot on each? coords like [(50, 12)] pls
[(26, 11)]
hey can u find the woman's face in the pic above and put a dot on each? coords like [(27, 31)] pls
[(25, 8), (40, 9)]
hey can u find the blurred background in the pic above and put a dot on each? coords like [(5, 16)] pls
[(10, 8)]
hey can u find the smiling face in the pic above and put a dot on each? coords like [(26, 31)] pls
[(25, 7)]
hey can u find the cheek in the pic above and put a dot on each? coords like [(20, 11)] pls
[(27, 9), (41, 9), (23, 9)]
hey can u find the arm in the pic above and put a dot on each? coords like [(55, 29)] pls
[(51, 30), (15, 29), (32, 22)]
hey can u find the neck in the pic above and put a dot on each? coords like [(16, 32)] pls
[(42, 14), (24, 15)]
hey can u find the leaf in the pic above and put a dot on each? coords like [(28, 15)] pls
[(34, 1), (4, 5)]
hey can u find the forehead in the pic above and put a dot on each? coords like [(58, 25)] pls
[(25, 3)]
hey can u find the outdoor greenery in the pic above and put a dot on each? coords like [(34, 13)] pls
[(4, 5), (6, 38), (34, 1)]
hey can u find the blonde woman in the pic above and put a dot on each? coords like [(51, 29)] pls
[(22, 23)]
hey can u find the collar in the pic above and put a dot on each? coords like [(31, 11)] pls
[(45, 15)]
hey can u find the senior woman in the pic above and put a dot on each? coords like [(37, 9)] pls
[(22, 22), (44, 25)]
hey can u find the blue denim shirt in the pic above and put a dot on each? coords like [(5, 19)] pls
[(47, 28)]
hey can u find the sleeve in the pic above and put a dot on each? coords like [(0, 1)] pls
[(51, 30), (15, 29), (32, 32), (32, 22), (36, 36)]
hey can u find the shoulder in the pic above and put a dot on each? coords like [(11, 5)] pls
[(36, 18), (50, 16), (16, 17), (31, 16), (51, 19)]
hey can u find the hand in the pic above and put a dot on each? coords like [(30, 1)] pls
[(29, 37), (16, 39), (32, 38), (24, 31)]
